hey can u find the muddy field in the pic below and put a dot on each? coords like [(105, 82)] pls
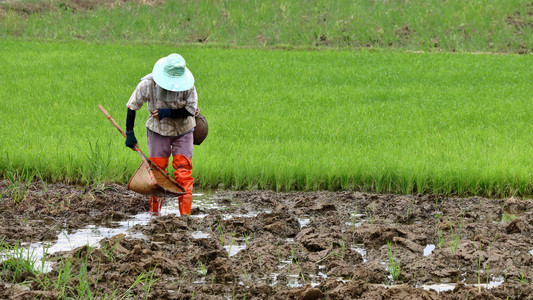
[(267, 245)]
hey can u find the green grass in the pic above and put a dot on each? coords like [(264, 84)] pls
[(453, 25), (283, 120)]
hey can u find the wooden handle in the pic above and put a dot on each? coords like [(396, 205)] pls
[(111, 119)]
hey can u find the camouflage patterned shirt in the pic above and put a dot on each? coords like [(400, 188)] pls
[(145, 92)]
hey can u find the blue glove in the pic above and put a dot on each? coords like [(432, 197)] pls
[(163, 113), (131, 141)]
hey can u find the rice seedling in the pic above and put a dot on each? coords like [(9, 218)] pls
[(343, 247), (301, 273), (232, 240), (245, 274), (478, 261), (487, 272), (292, 258), (246, 235), (353, 217), (456, 236), (330, 253), (220, 228), (393, 263), (521, 278), (108, 248), (82, 289), (65, 274), (128, 294), (370, 214), (407, 214), (296, 261), (203, 268), (414, 281), (506, 217), (441, 239), (454, 242), (18, 263), (148, 282), (19, 183)]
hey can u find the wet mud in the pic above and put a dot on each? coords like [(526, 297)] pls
[(298, 245)]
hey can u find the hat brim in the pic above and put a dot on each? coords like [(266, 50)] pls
[(175, 84)]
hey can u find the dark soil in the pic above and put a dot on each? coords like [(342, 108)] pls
[(300, 245), (40, 6)]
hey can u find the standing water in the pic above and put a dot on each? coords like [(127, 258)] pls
[(93, 234)]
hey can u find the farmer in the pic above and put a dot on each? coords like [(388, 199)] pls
[(172, 102)]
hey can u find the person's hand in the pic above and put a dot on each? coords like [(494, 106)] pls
[(161, 113), (131, 141)]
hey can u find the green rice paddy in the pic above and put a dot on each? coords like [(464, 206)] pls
[(385, 121)]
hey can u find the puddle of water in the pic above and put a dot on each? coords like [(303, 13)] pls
[(359, 249), (429, 248), (356, 220), (293, 281), (200, 235), (199, 216), (90, 235), (442, 287), (234, 249), (93, 234), (304, 221), (248, 215)]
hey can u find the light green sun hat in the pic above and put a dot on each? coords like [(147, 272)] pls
[(171, 73)]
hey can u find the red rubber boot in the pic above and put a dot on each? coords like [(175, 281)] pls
[(155, 202), (183, 166)]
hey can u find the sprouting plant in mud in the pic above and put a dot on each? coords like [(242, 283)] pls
[(203, 269), (301, 272), (407, 214), (80, 283), (414, 281), (18, 264), (521, 278), (343, 247), (231, 241), (296, 261), (291, 260), (245, 274), (246, 235), (478, 261), (330, 253), (456, 236), (506, 217), (370, 215), (108, 248), (353, 217), (148, 282), (440, 237), (441, 240), (393, 263)]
